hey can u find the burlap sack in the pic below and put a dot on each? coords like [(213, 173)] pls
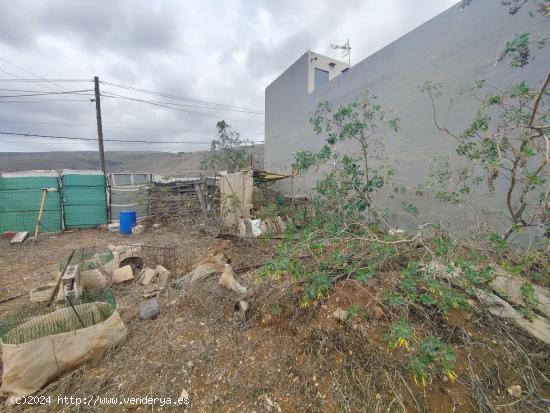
[(29, 366)]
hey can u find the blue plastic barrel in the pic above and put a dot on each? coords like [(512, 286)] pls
[(127, 221)]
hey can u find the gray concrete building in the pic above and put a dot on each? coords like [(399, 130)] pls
[(454, 48)]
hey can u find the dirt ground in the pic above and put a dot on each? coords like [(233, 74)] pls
[(282, 357)]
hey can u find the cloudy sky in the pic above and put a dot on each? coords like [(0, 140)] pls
[(217, 55)]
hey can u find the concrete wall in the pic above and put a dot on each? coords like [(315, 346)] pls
[(454, 48), (317, 61)]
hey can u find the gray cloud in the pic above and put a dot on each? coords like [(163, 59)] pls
[(218, 51)]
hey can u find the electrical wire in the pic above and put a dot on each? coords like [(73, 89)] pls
[(110, 127), (163, 105), (41, 80), (45, 101), (110, 94), (150, 92), (168, 105), (166, 95), (33, 135), (24, 90), (29, 72), (68, 92)]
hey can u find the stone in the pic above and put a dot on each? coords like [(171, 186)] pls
[(228, 281), (509, 288), (514, 391), (184, 395), (123, 274), (149, 309), (241, 310), (340, 314), (138, 229), (147, 275), (538, 327), (271, 405)]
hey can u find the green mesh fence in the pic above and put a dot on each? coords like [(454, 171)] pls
[(72, 314), (9, 182), (84, 200), (88, 258), (86, 180), (20, 198)]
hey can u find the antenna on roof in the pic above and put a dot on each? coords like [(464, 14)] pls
[(346, 48)]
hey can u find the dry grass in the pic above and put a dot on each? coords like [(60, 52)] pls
[(283, 356)]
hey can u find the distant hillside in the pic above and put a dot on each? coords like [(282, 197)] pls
[(118, 161)]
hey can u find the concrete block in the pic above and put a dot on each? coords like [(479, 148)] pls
[(112, 265), (91, 280), (42, 294), (163, 275), (147, 275), (123, 274), (71, 272)]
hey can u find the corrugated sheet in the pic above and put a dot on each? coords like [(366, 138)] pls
[(20, 196), (84, 199), (123, 179)]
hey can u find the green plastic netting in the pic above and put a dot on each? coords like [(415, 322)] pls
[(88, 258), (20, 198), (84, 200), (73, 313)]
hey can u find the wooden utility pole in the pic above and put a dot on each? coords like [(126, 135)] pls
[(99, 125)]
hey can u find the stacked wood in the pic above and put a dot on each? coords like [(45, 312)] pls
[(179, 201)]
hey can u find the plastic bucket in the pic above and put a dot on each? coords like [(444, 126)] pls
[(127, 221)]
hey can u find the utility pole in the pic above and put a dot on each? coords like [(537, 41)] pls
[(99, 125)]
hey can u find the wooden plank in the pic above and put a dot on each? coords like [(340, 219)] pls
[(59, 277), (20, 237), (201, 202), (4, 300)]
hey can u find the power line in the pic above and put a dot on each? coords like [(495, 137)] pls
[(165, 105), (44, 101), (33, 135), (41, 80), (23, 90), (110, 127), (150, 92), (113, 95), (28, 71), (68, 92), (166, 95), (168, 105)]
